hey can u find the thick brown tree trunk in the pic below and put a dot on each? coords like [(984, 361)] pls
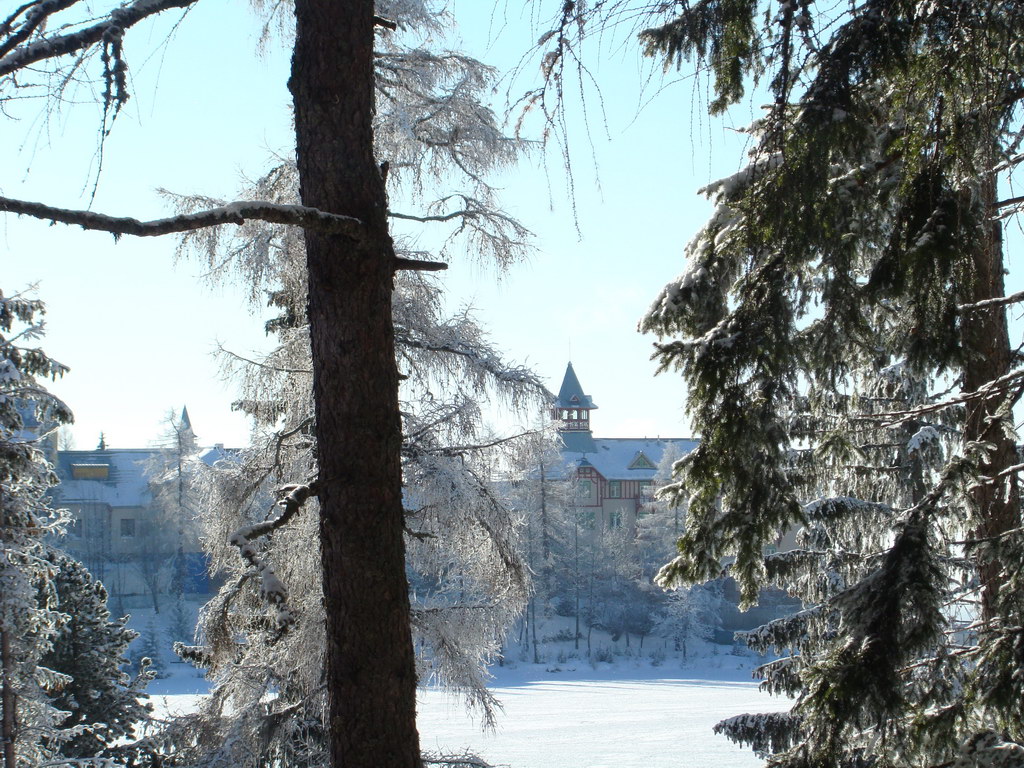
[(371, 674), (7, 700), (988, 357)]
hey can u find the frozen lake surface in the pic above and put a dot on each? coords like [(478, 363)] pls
[(590, 720), (648, 717)]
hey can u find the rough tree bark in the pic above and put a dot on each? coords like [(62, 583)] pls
[(986, 340), (371, 673), (8, 701)]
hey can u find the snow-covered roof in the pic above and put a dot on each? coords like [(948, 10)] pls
[(581, 441), (622, 458), (571, 393), (211, 456), (116, 477)]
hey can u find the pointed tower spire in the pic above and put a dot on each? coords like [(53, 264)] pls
[(572, 410), (573, 407), (186, 422)]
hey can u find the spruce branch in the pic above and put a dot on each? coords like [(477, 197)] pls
[(1000, 301), (999, 385)]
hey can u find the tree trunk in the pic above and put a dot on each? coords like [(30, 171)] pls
[(545, 543), (533, 628), (7, 700), (370, 667), (988, 356)]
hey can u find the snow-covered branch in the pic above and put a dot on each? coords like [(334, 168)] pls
[(1000, 301), (272, 588), (233, 213), (997, 386), (113, 25)]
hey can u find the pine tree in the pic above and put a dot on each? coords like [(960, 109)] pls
[(102, 702), (841, 326), (30, 724)]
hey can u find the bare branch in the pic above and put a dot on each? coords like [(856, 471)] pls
[(115, 24), (264, 366), (234, 213), (442, 217), (419, 264)]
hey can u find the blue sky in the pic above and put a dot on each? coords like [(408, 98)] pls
[(139, 331)]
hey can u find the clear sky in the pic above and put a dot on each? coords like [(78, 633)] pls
[(139, 330)]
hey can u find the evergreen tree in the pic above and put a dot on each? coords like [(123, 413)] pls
[(102, 704), (30, 724), (841, 326)]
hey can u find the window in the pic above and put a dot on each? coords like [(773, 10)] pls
[(586, 488), (641, 462), (615, 518), (614, 489), (584, 415), (127, 527), (90, 471)]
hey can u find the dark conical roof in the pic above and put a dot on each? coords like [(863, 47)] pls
[(571, 394)]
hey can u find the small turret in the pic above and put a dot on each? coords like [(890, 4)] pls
[(573, 407)]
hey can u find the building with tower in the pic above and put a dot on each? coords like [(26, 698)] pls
[(615, 478), (120, 529), (614, 475)]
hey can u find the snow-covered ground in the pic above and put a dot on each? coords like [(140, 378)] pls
[(633, 713), (616, 717), (584, 718)]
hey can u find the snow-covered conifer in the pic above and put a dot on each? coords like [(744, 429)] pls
[(30, 724), (103, 704), (841, 325)]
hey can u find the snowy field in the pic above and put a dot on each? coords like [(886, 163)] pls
[(646, 717), (595, 720)]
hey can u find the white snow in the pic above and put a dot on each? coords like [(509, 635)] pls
[(646, 717), (623, 718), (629, 714)]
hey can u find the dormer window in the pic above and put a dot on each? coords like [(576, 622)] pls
[(90, 471), (641, 462)]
